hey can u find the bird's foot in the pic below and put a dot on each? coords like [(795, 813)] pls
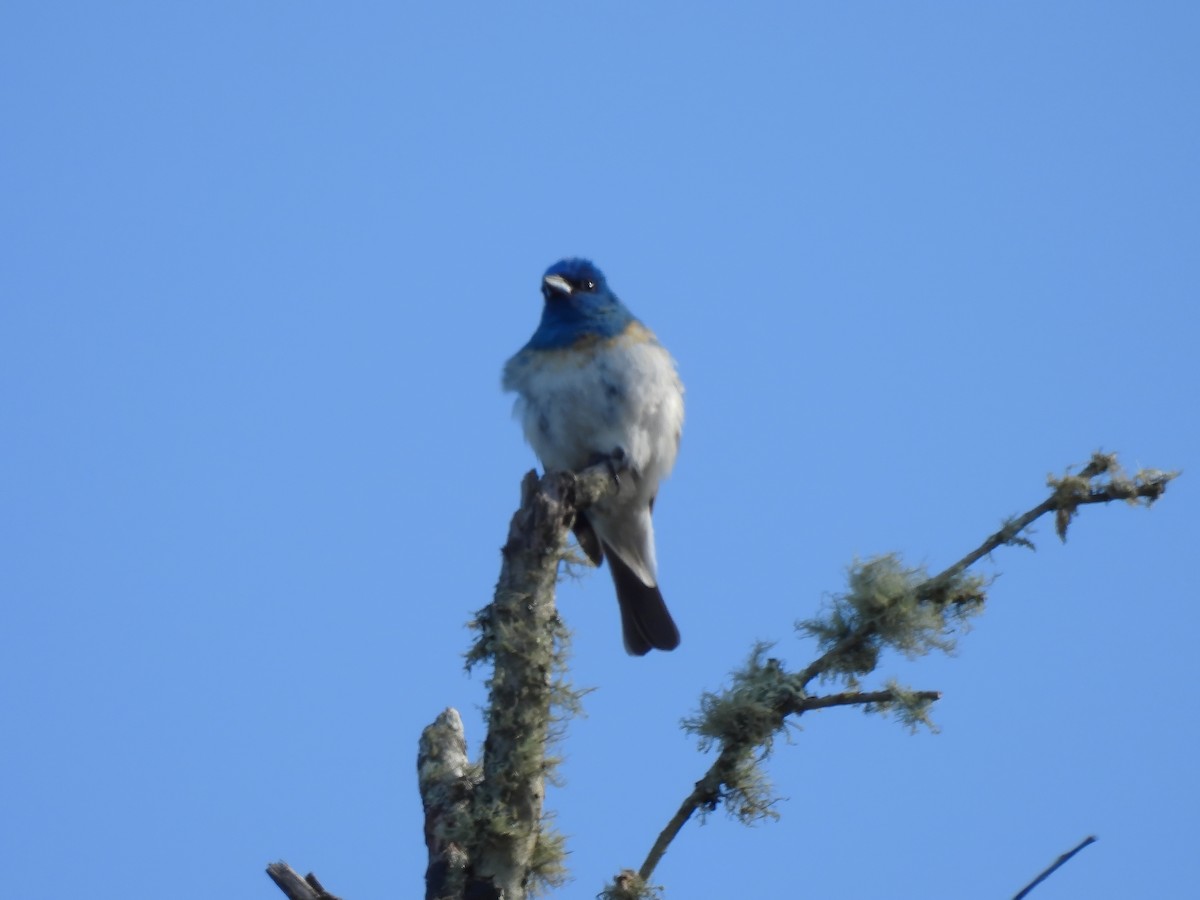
[(617, 462)]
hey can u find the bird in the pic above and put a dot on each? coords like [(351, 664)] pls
[(594, 384)]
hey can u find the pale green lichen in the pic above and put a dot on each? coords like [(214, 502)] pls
[(629, 886), (889, 605), (910, 707)]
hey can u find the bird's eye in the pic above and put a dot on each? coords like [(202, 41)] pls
[(589, 285)]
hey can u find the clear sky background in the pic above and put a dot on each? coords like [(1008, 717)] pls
[(262, 263)]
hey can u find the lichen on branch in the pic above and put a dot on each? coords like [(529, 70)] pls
[(887, 605)]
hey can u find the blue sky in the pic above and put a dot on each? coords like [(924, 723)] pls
[(263, 263)]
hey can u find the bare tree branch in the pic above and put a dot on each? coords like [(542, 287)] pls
[(445, 779), (856, 698), (1090, 839), (295, 887), (706, 794)]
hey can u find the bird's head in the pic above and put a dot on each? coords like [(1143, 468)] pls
[(578, 303), (575, 280)]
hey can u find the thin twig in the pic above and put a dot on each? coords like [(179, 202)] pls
[(1090, 839), (707, 790), (1150, 489), (856, 698), (1000, 538), (930, 586), (706, 793)]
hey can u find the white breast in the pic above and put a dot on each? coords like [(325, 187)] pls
[(574, 404)]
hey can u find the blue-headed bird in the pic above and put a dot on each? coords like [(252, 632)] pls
[(594, 384)]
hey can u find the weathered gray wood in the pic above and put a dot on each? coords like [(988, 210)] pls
[(445, 780), (297, 888)]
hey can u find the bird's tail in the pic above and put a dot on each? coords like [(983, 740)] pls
[(645, 620)]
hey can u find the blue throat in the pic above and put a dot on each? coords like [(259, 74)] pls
[(567, 319)]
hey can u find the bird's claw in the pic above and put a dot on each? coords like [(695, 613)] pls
[(616, 462)]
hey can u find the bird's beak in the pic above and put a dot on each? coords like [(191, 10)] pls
[(557, 283)]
